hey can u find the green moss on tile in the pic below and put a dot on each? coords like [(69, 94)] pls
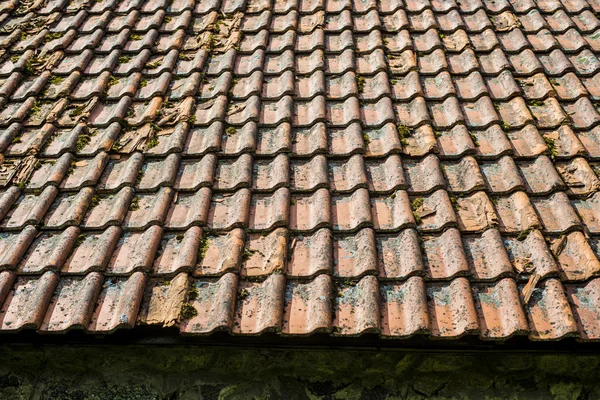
[(135, 204), (203, 247), (55, 80), (52, 36), (188, 311), (193, 293), (551, 143), (360, 83)]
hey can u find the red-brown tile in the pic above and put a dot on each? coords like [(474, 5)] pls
[(444, 256), (118, 304), (530, 254), (307, 306), (399, 255), (584, 299), (220, 253), (214, 302), (14, 245), (48, 251), (91, 251), (404, 308), (499, 310), (516, 214), (259, 306), (356, 306), (310, 254), (135, 251), (549, 313), (26, 303), (265, 254), (487, 255), (72, 304), (451, 309)]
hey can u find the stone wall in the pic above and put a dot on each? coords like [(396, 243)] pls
[(185, 372)]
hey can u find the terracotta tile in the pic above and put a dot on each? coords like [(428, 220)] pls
[(530, 254), (72, 304), (14, 245), (177, 251), (487, 256), (50, 172), (527, 142), (455, 142), (271, 174), (444, 256), (404, 308), (201, 140), (392, 212), (26, 303), (515, 213), (464, 176), (220, 254), (148, 209), (541, 176), (351, 212), (91, 251), (310, 254), (466, 62), (347, 175), (259, 306), (579, 176), (265, 254), (189, 209), (120, 172), (309, 212), (566, 142), (273, 140), (118, 304), (583, 298), (269, 210), (433, 212), (575, 257), (549, 313), (424, 175), (499, 310), (451, 309), (30, 209), (356, 307), (214, 302), (556, 213), (274, 87), (8, 198), (355, 255), (399, 255), (135, 251), (232, 174), (307, 307), (229, 211), (475, 213), (436, 87), (195, 173), (385, 175), (346, 141), (48, 252), (163, 301)]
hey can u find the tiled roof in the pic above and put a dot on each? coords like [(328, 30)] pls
[(398, 168)]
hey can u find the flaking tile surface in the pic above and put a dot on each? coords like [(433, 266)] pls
[(314, 167)]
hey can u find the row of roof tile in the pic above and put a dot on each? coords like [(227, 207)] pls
[(391, 309)]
